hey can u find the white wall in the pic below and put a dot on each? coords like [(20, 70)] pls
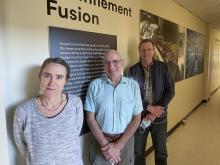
[(26, 46), (3, 130)]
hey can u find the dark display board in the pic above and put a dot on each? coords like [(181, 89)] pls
[(84, 52)]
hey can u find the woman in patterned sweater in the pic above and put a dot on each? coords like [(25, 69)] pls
[(47, 127)]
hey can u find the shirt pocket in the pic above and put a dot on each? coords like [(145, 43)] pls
[(126, 109)]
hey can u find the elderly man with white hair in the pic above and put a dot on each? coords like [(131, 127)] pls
[(113, 110)]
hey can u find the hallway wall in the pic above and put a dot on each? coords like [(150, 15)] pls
[(3, 130), (215, 62), (26, 46)]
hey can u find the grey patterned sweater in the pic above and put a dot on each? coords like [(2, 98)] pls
[(49, 141)]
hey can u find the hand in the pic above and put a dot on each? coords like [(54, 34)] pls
[(115, 160), (150, 116), (111, 152), (155, 110)]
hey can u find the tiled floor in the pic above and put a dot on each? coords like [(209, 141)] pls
[(198, 141)]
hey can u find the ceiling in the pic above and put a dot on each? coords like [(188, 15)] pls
[(206, 10)]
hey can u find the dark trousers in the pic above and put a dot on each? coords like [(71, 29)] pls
[(159, 139)]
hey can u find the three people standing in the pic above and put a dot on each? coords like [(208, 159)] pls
[(47, 127)]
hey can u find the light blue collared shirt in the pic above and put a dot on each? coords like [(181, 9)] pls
[(114, 106)]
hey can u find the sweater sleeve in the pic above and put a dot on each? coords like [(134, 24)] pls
[(79, 109), (18, 130)]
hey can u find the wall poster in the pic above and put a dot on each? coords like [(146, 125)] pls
[(181, 48), (84, 52), (194, 53), (169, 40)]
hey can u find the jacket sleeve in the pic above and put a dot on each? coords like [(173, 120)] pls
[(169, 89), (18, 131)]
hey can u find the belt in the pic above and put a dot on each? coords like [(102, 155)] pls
[(112, 137)]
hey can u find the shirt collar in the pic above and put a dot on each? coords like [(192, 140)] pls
[(107, 80), (151, 64)]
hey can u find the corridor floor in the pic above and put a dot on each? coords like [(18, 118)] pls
[(198, 141)]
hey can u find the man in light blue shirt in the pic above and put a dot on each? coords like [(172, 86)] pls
[(113, 104)]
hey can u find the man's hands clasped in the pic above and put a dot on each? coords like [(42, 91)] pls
[(111, 152)]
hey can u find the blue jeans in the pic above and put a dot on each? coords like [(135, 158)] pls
[(159, 139)]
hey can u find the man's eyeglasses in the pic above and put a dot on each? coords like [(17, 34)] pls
[(148, 50), (114, 62)]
